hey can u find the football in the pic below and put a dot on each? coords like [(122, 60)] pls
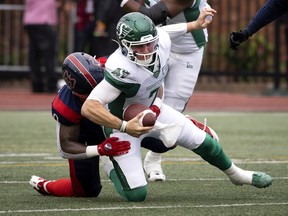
[(148, 118)]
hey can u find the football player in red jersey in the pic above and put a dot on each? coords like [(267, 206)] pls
[(78, 139)]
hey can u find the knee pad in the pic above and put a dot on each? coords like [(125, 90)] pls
[(132, 195)]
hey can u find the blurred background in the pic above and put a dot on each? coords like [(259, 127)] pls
[(259, 66)]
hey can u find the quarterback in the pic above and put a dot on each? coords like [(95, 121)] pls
[(185, 59), (135, 73)]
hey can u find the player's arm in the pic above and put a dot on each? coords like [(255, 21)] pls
[(158, 12), (270, 11), (70, 148), (68, 136), (203, 20), (94, 109)]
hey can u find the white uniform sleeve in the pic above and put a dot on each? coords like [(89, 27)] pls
[(104, 92), (175, 30)]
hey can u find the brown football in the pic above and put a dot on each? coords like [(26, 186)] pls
[(148, 119)]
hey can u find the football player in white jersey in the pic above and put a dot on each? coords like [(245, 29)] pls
[(135, 73), (185, 61)]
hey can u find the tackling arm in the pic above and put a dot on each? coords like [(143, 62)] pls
[(70, 148)]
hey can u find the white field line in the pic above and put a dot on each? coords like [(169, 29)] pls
[(166, 160), (50, 158), (142, 207), (168, 180), (25, 155)]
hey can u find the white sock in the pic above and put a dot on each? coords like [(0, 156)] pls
[(152, 162), (239, 176)]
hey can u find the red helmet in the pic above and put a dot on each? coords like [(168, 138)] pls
[(82, 72)]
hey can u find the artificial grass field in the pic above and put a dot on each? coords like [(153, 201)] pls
[(254, 141)]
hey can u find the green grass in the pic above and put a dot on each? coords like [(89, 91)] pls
[(255, 141)]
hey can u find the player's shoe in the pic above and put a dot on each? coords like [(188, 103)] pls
[(241, 177), (261, 180), (39, 184), (152, 167), (204, 127)]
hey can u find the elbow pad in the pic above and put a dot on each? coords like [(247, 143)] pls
[(158, 12)]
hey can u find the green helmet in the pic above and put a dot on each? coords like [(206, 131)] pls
[(135, 29)]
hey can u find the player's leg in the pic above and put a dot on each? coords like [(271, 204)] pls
[(84, 181), (34, 33), (179, 86), (152, 161), (126, 171), (182, 78), (209, 149), (85, 177)]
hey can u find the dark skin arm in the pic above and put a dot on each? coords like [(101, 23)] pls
[(174, 6), (68, 139)]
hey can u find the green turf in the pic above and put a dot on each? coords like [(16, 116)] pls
[(255, 141)]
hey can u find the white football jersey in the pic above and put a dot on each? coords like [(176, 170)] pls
[(138, 84), (190, 41)]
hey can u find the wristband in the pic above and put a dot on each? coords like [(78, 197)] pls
[(92, 151), (123, 126), (123, 2)]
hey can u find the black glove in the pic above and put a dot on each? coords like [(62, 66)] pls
[(235, 38)]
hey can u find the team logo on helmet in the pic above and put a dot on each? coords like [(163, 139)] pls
[(71, 82), (123, 30)]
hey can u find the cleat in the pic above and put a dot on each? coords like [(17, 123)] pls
[(241, 177), (152, 167), (261, 180), (39, 184), (204, 127), (156, 176)]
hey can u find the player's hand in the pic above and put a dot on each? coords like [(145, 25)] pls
[(113, 147), (134, 129), (236, 38), (205, 18), (155, 109)]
